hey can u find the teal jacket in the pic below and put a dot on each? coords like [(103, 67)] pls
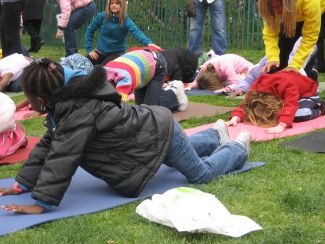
[(112, 36)]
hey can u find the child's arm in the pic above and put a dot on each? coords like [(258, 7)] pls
[(233, 121), (22, 104), (277, 129), (4, 82), (137, 33)]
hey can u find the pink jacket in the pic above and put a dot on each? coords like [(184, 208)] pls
[(228, 67), (67, 6)]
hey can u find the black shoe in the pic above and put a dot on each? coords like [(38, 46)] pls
[(37, 48), (313, 74), (322, 108), (320, 68)]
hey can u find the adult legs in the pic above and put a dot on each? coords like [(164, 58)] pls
[(184, 154), (78, 18), (218, 26), (320, 44), (33, 28), (196, 27)]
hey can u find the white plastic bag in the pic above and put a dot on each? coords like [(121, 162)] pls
[(188, 209)]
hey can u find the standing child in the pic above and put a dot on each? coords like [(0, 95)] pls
[(114, 25), (276, 100), (143, 72), (221, 71), (124, 145)]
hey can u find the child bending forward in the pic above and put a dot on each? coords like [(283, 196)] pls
[(276, 100), (124, 145)]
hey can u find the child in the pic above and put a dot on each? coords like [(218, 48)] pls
[(221, 71), (143, 72), (12, 135), (11, 68), (74, 14), (124, 145), (113, 25), (276, 100)]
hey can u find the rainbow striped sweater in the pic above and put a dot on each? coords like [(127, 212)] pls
[(131, 71)]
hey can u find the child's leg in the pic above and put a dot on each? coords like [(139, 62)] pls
[(183, 157), (309, 108), (139, 95)]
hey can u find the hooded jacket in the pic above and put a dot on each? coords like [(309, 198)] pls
[(121, 144)]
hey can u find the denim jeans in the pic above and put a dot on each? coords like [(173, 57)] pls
[(218, 26), (201, 158), (153, 93), (78, 18)]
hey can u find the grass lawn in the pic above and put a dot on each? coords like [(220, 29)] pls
[(286, 197)]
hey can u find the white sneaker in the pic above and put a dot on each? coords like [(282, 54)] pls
[(244, 138), (221, 127), (177, 87)]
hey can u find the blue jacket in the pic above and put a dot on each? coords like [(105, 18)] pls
[(112, 36)]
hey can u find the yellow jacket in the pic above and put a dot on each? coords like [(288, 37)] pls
[(308, 11)]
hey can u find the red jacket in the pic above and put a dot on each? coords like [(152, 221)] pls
[(288, 86)]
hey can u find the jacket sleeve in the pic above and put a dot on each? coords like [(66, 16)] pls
[(30, 171), (271, 40), (66, 8), (239, 111), (65, 155), (90, 31), (312, 21), (136, 32)]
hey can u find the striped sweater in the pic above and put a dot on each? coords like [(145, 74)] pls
[(131, 71)]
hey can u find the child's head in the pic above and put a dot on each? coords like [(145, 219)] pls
[(262, 109), (117, 7), (40, 80), (269, 9), (208, 79)]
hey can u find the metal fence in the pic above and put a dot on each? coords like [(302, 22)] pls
[(166, 23)]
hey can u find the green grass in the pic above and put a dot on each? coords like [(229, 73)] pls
[(286, 197)]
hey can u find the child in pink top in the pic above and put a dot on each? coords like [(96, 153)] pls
[(220, 71)]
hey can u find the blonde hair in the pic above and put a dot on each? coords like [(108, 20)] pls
[(262, 109), (288, 15), (121, 14), (208, 79)]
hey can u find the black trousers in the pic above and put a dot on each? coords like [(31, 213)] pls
[(9, 27), (320, 45), (33, 28)]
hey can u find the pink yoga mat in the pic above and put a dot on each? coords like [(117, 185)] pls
[(259, 134), (22, 153), (19, 115)]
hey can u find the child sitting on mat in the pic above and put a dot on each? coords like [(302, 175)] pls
[(221, 71), (124, 145), (276, 100), (143, 72), (12, 135)]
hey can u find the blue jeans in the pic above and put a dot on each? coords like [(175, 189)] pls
[(201, 158), (218, 26), (78, 18)]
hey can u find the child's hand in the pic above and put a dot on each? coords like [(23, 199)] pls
[(31, 115), (154, 46), (26, 209), (188, 87), (269, 66), (93, 54), (276, 129), (131, 97), (233, 121), (235, 93), (8, 191)]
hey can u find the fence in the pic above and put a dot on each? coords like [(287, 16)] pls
[(166, 23)]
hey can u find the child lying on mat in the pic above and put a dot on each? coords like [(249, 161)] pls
[(11, 68), (221, 71), (12, 135), (124, 145), (276, 100), (143, 72)]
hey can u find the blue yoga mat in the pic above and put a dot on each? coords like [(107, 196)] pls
[(201, 92), (87, 194)]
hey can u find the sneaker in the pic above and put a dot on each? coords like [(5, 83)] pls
[(313, 74), (177, 87), (244, 138), (222, 129)]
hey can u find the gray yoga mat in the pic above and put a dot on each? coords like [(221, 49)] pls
[(314, 142)]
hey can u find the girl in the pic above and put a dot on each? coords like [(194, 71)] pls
[(113, 26), (276, 100), (12, 135), (284, 22), (143, 72), (74, 14), (124, 145), (220, 71)]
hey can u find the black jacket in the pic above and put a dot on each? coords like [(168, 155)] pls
[(121, 144), (181, 63)]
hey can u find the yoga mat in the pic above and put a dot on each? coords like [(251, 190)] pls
[(22, 153), (201, 92), (87, 194), (259, 134), (314, 142), (19, 114), (199, 110)]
